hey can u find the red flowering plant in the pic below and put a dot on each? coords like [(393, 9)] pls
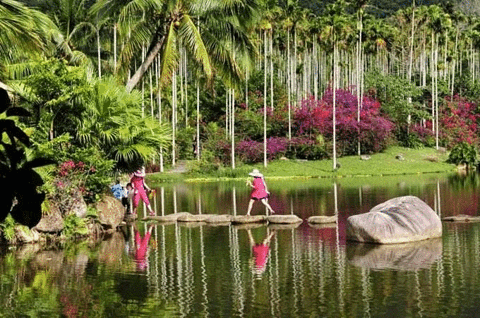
[(372, 131), (459, 121), (70, 183)]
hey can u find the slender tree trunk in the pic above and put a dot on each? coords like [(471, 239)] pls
[(159, 95), (289, 83), (246, 87), (115, 47), (232, 102), (265, 100), (99, 51), (133, 81), (198, 121), (334, 133), (174, 115), (271, 69), (436, 95)]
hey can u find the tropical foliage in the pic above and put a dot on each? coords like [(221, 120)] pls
[(132, 82)]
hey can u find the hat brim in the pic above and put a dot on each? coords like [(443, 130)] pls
[(255, 174)]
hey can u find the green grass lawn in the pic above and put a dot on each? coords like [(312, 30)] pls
[(415, 161)]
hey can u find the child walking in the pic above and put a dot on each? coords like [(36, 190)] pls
[(139, 186), (259, 191)]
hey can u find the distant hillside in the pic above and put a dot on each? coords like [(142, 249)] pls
[(381, 8)]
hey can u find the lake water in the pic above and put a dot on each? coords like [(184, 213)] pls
[(195, 270)]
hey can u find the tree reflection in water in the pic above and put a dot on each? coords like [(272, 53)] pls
[(203, 270)]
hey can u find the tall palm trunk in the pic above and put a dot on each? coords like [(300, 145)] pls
[(265, 99), (133, 81), (198, 122), (159, 96), (334, 119), (99, 51), (232, 124), (174, 115), (289, 86)]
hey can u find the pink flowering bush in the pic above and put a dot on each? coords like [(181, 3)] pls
[(316, 117), (70, 183), (458, 122)]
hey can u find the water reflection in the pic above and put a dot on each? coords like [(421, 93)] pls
[(141, 247), (260, 252), (195, 269), (408, 256)]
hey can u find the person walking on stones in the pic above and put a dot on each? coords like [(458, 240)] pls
[(259, 191), (139, 186)]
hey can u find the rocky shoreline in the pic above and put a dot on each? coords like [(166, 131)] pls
[(56, 225)]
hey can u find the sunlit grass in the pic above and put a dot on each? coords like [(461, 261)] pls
[(413, 161)]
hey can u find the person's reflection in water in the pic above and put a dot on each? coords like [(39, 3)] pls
[(141, 247), (260, 252)]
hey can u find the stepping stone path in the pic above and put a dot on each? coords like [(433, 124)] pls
[(167, 218), (194, 218), (219, 219)]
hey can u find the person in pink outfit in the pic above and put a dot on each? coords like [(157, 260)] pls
[(260, 252), (139, 187), (259, 191)]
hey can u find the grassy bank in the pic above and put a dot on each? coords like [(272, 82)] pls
[(412, 161)]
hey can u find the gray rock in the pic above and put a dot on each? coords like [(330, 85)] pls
[(193, 217), (79, 207), (322, 219), (399, 220), (220, 219), (110, 211), (51, 221), (241, 219), (284, 219), (169, 217)]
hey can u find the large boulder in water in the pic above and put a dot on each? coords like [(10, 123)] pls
[(399, 220), (110, 211)]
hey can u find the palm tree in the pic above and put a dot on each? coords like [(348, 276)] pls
[(24, 32), (113, 122), (168, 24)]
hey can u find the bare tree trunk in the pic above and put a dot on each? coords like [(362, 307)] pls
[(198, 121), (265, 100), (232, 102), (334, 134), (133, 81), (174, 115), (159, 96), (115, 48), (289, 92)]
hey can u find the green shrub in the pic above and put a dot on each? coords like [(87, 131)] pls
[(463, 153)]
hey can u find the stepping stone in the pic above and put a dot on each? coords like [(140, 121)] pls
[(241, 219), (284, 219), (222, 218), (194, 218), (462, 218), (322, 219), (166, 218)]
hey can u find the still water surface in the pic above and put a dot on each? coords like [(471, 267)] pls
[(197, 270)]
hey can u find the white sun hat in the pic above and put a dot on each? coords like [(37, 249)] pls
[(256, 173)]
